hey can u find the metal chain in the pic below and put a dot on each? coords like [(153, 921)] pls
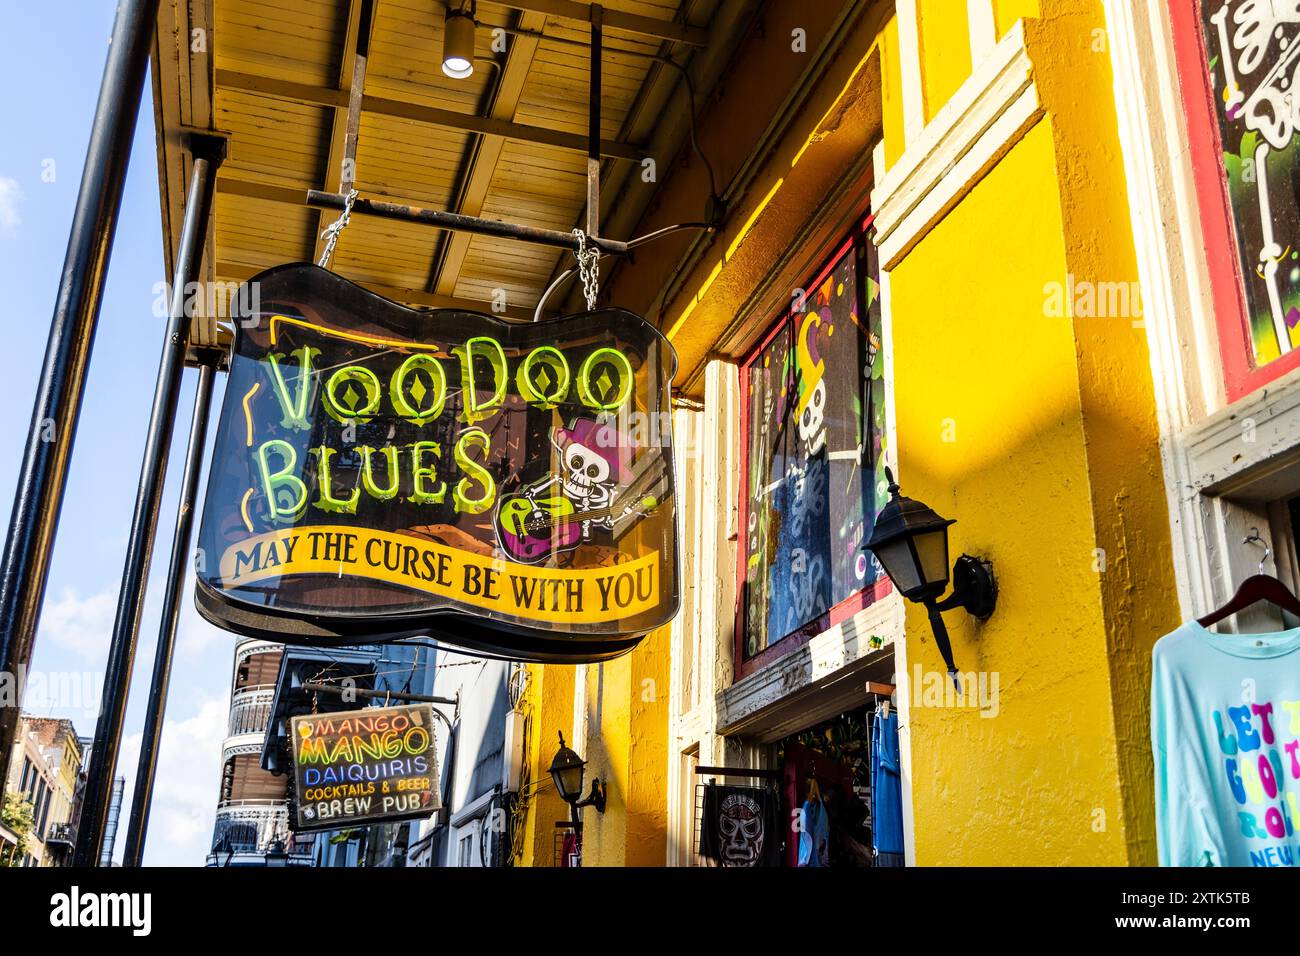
[(588, 268), (331, 233)]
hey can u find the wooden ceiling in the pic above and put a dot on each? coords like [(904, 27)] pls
[(506, 143)]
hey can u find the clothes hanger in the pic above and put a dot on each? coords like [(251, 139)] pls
[(1256, 588)]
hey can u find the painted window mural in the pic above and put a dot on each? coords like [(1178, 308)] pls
[(815, 418), (1252, 49)]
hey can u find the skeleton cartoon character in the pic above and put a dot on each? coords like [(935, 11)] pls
[(811, 408), (740, 823), (589, 472)]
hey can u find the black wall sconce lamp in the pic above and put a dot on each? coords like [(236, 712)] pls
[(911, 543), (567, 770)]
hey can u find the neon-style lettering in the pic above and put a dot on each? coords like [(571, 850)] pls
[(369, 383), (368, 472), (397, 389), (625, 376), (460, 496), (277, 483), (420, 474), (549, 357), (294, 411), (491, 350), (327, 501)]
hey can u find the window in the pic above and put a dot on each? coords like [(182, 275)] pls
[(814, 428), (1236, 59)]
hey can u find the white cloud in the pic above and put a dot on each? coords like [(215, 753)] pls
[(194, 635), (185, 786), (11, 195), (80, 625)]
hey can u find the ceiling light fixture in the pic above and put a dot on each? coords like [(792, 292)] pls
[(458, 44)]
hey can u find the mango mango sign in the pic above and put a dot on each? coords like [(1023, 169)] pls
[(383, 472), (360, 766)]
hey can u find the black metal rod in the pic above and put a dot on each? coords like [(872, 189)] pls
[(138, 820), (43, 475), (139, 548), (593, 123), (404, 696), (320, 199)]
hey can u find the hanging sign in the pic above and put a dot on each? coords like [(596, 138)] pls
[(382, 472), (364, 766)]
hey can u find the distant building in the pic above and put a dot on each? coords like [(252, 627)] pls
[(46, 772), (398, 668), (252, 821)]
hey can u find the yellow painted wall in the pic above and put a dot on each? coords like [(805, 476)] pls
[(945, 51), (891, 93), (1038, 435), (626, 746), (1130, 513), (548, 703), (1007, 12)]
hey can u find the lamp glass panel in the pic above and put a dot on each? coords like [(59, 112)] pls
[(900, 565), (932, 549), (568, 780)]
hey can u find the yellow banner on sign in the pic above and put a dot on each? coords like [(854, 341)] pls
[(550, 595)]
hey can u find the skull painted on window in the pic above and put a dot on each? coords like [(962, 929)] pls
[(812, 418), (740, 822), (811, 407)]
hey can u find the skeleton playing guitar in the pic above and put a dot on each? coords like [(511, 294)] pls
[(532, 529)]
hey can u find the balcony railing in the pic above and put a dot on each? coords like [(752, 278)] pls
[(250, 709), (249, 826), (61, 835)]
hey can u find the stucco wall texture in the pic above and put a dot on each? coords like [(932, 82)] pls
[(1037, 432)]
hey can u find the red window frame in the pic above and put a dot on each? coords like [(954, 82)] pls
[(1241, 375), (850, 605)]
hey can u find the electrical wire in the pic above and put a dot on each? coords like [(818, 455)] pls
[(657, 58), (631, 244)]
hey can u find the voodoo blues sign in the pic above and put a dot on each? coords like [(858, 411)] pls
[(355, 766), (382, 472)]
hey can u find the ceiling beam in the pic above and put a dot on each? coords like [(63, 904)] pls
[(614, 20), (482, 162), (404, 109), (242, 272)]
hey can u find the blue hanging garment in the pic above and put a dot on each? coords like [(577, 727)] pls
[(814, 833), (886, 790)]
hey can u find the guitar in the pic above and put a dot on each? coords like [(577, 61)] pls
[(532, 529)]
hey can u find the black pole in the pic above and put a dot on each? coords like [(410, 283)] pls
[(317, 687), (318, 199), (138, 821), (41, 481), (593, 122), (207, 155)]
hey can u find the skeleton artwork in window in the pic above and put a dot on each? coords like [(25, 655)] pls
[(815, 413), (740, 823), (811, 409), (564, 509), (1253, 52)]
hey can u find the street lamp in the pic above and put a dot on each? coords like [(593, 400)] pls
[(458, 43), (911, 543), (567, 770)]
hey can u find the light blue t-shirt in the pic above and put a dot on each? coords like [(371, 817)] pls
[(1225, 734)]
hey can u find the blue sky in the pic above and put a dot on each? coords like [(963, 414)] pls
[(51, 59)]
